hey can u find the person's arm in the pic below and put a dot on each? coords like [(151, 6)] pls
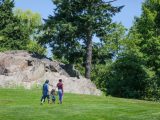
[(50, 84), (43, 89), (62, 89), (48, 89)]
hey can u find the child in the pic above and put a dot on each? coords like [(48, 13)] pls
[(53, 95)]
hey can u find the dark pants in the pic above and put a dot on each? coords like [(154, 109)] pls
[(44, 97)]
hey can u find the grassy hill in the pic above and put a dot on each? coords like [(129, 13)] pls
[(19, 104)]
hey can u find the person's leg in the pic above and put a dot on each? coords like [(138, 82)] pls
[(53, 99), (42, 99), (60, 96), (48, 98)]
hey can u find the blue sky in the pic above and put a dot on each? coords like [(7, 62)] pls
[(45, 7)]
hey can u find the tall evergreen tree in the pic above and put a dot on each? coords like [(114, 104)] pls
[(13, 35), (77, 21)]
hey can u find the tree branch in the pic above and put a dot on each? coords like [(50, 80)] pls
[(111, 1)]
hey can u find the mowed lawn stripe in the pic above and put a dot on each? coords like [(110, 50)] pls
[(20, 104)]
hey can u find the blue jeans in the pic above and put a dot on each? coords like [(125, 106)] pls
[(53, 98), (60, 94)]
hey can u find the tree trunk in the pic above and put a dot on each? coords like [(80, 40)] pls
[(88, 56)]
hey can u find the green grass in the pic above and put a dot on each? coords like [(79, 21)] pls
[(19, 104)]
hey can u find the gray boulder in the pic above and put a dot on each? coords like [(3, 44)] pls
[(20, 68)]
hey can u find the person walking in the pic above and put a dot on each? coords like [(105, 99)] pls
[(53, 95), (60, 90), (45, 92)]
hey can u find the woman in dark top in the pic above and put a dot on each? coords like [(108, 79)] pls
[(60, 90)]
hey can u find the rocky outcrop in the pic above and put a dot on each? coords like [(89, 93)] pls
[(19, 68)]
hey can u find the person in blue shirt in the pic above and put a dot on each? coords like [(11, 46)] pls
[(45, 92)]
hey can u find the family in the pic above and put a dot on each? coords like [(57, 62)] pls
[(46, 94)]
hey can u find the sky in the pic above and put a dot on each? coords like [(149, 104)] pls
[(45, 8)]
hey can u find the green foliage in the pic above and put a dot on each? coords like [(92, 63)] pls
[(128, 77), (100, 75), (5, 12), (104, 53), (148, 28), (135, 73), (135, 68), (15, 36), (32, 23), (114, 39), (18, 29), (36, 48)]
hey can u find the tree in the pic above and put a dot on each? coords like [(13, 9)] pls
[(105, 53), (18, 28), (135, 73), (147, 26), (32, 22), (13, 35), (36, 48), (6, 15), (77, 21), (128, 77)]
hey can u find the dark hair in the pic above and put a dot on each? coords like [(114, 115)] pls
[(60, 80), (47, 81)]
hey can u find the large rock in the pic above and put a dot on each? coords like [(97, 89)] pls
[(19, 68)]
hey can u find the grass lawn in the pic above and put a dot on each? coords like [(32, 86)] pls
[(19, 104)]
